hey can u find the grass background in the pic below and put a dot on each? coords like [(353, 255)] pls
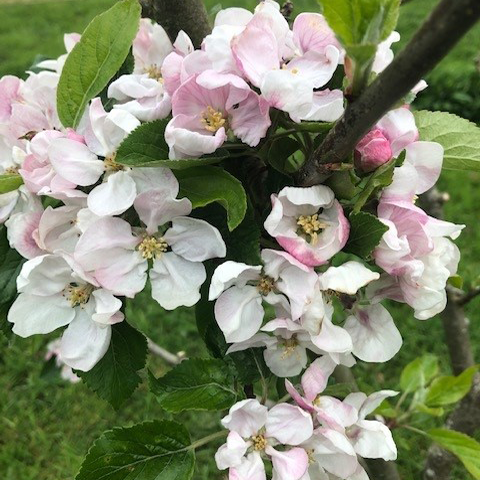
[(47, 425)]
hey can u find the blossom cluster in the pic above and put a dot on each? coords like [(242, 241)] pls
[(93, 231)]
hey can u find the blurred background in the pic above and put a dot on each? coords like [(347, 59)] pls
[(47, 424)]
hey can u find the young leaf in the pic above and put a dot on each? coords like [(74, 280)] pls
[(464, 447), (366, 231), (9, 183), (146, 147), (280, 152), (205, 185), (459, 137), (95, 59), (195, 384), (147, 451), (114, 378), (448, 389), (418, 373)]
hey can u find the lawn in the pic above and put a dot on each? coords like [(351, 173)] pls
[(47, 425)]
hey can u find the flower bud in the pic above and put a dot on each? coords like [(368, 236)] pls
[(372, 151)]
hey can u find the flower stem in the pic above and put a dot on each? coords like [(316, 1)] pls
[(207, 439)]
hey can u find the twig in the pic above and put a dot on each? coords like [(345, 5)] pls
[(440, 32), (175, 15), (165, 354), (469, 296)]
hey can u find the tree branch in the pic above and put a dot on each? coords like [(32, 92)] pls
[(440, 32), (169, 357), (175, 15)]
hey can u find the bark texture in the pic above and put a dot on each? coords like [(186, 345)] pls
[(175, 15), (440, 32)]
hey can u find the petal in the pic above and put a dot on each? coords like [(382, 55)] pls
[(106, 306), (246, 417), (195, 240), (289, 424), (327, 106), (284, 362), (374, 334), (251, 468), (239, 313), (148, 179), (374, 400), (288, 465), (231, 453), (75, 162), (114, 196), (372, 439), (347, 278), (84, 342), (20, 233), (311, 32), (315, 378), (175, 281), (32, 314), (231, 273)]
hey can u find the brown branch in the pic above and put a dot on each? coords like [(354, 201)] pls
[(466, 416), (469, 296), (175, 15), (440, 32)]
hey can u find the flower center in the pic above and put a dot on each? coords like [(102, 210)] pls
[(259, 442), (310, 225), (212, 120), (152, 247), (77, 295), (11, 171), (111, 165), (154, 72), (289, 347), (265, 285)]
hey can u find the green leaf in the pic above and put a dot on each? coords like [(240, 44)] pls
[(459, 138), (205, 185), (433, 412), (114, 378), (9, 183), (464, 447), (380, 178), (418, 373), (361, 24), (455, 281), (158, 450), (366, 231), (96, 58), (10, 265), (195, 384), (280, 152), (448, 389), (146, 147)]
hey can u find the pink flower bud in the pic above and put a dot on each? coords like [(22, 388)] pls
[(373, 150)]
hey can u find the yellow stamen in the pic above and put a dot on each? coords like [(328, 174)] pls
[(154, 72), (294, 71), (111, 165), (265, 285), (212, 120), (78, 295), (289, 347), (310, 225), (11, 171), (259, 442), (152, 247)]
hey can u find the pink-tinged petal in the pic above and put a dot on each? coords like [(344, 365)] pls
[(288, 465), (288, 91), (51, 312), (373, 150), (75, 162), (45, 275), (233, 16), (374, 334), (299, 400), (195, 240), (440, 228), (175, 281), (151, 178), (217, 47), (171, 71), (151, 45), (9, 92), (258, 340), (256, 51), (332, 338), (251, 119), (306, 200), (347, 278), (183, 44), (384, 54), (84, 342), (289, 424), (114, 196), (333, 413), (231, 453), (311, 32), (239, 313), (157, 207), (327, 106), (372, 439), (315, 378), (107, 307), (232, 273), (251, 468), (399, 128), (246, 417), (20, 233), (374, 400), (187, 138)]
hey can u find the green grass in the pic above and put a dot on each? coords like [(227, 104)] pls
[(46, 425)]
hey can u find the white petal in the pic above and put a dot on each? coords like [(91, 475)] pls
[(231, 453), (231, 273), (246, 417), (347, 278), (372, 439), (106, 306), (289, 424)]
